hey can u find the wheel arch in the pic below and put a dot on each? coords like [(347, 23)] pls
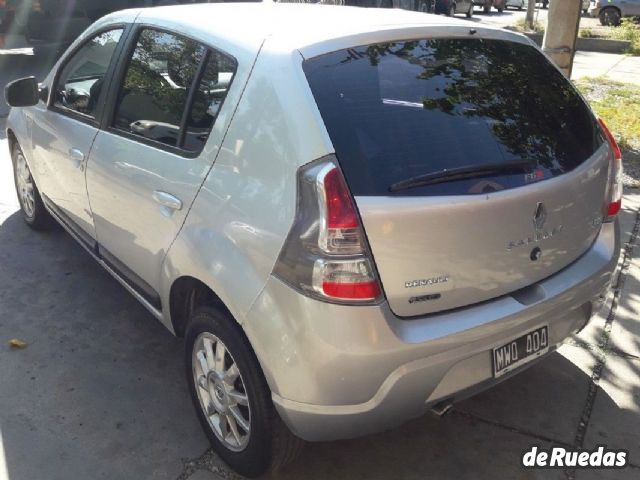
[(186, 294), (11, 137), (611, 7)]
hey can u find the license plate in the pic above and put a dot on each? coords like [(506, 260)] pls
[(520, 350)]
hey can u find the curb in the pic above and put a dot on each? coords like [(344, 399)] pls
[(590, 44)]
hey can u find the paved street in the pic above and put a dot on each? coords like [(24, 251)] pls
[(99, 392)]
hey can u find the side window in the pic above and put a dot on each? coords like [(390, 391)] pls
[(157, 90), (208, 98), (81, 80), (156, 86)]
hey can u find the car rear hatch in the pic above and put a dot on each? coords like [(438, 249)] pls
[(476, 167)]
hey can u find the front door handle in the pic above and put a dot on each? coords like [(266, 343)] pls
[(167, 200), (77, 156)]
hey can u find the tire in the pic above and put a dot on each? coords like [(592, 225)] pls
[(470, 11), (33, 210), (610, 16), (267, 444)]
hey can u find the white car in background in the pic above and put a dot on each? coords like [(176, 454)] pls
[(519, 4)]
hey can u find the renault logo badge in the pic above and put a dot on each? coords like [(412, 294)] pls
[(539, 217)]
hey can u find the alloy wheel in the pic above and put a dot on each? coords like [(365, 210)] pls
[(25, 186), (221, 392)]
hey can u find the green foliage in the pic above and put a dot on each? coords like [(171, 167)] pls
[(618, 104), (630, 31), (586, 33), (538, 27)]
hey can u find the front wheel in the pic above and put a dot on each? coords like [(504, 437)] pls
[(231, 396), (33, 210)]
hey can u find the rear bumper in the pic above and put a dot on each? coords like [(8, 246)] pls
[(340, 372)]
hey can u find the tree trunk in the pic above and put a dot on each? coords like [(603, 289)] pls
[(531, 8)]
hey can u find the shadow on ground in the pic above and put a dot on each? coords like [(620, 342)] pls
[(99, 392)]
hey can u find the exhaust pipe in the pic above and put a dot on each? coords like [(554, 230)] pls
[(440, 409)]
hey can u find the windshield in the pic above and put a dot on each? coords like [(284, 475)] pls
[(401, 110)]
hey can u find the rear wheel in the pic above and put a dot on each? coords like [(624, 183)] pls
[(232, 398), (610, 16), (33, 210)]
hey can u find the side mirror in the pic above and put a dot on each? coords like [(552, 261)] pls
[(22, 92)]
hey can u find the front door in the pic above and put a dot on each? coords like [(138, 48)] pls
[(64, 131), (146, 165)]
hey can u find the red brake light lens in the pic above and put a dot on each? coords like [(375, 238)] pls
[(617, 153), (614, 208), (613, 202), (361, 290), (340, 210)]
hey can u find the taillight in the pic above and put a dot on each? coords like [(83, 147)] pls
[(326, 255), (613, 201)]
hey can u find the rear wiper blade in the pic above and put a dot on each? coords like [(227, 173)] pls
[(461, 173)]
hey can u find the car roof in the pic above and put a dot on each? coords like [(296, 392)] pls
[(290, 27)]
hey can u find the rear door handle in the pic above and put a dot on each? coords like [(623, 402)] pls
[(167, 200), (77, 156)]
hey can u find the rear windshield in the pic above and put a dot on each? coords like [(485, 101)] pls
[(397, 111)]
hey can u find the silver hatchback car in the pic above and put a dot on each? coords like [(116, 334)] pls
[(351, 216)]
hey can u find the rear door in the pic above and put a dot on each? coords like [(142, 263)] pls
[(147, 164), (476, 167), (63, 132)]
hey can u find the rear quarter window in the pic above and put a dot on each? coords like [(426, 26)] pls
[(404, 109)]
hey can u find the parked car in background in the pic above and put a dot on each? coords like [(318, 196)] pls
[(299, 204), (486, 5), (584, 6), (519, 4), (451, 7), (611, 12)]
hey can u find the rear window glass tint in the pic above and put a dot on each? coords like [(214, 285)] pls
[(404, 109)]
